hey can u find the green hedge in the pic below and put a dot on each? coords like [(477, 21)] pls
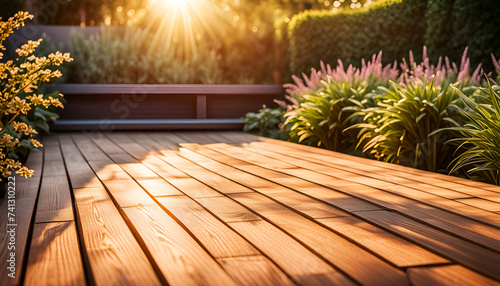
[(446, 27), (394, 27)]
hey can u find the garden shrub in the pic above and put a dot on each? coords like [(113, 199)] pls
[(476, 25), (398, 130), (480, 136), (267, 122), (394, 27), (439, 28), (23, 108), (123, 56)]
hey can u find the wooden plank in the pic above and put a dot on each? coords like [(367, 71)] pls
[(194, 188), (211, 179), (398, 251), (356, 262), (147, 140), (17, 233), (108, 242), (159, 188), (216, 237), (227, 209), (128, 145), (254, 270), (53, 161), (399, 178), (89, 149), (194, 137), (79, 172), (54, 257), (171, 89), (431, 199), (447, 275), (132, 166), (451, 246), (127, 193), (302, 203), (108, 170), (235, 173), (55, 202), (22, 195), (201, 106), (444, 181), (179, 257), (462, 226), (297, 261), (29, 187), (106, 145), (482, 204)]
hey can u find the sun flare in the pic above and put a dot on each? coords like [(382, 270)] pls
[(182, 23)]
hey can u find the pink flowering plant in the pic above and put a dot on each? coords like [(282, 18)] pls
[(20, 79)]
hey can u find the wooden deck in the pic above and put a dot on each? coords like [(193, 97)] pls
[(232, 209)]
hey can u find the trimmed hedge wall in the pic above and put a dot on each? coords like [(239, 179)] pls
[(446, 27), (394, 27)]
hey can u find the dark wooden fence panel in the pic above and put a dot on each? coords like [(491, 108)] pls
[(130, 106)]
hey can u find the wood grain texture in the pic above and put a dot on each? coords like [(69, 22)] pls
[(127, 193), (308, 170), (398, 251), (180, 258), (53, 164), (23, 215), (227, 209), (108, 170), (159, 187), (342, 165), (89, 149), (451, 182), (459, 225), (466, 253), (215, 236), (447, 275), (54, 257), (106, 145), (302, 265), (359, 264), (254, 270), (29, 187), (236, 172), (209, 178), (114, 254), (26, 192), (194, 188), (482, 204), (79, 172), (55, 202)]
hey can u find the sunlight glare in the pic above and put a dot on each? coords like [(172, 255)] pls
[(181, 22)]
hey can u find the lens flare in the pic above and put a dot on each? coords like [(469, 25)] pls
[(179, 23)]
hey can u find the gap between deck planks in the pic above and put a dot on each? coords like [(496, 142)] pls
[(232, 215)]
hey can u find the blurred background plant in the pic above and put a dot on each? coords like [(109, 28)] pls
[(24, 111)]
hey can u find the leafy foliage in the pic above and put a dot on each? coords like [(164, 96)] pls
[(320, 119), (480, 136), (19, 100), (399, 129), (266, 122), (122, 56), (394, 27)]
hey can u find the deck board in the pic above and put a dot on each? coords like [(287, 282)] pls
[(229, 208)]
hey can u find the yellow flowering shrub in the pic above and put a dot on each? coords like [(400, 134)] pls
[(19, 83)]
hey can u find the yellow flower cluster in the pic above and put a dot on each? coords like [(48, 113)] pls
[(19, 82)]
